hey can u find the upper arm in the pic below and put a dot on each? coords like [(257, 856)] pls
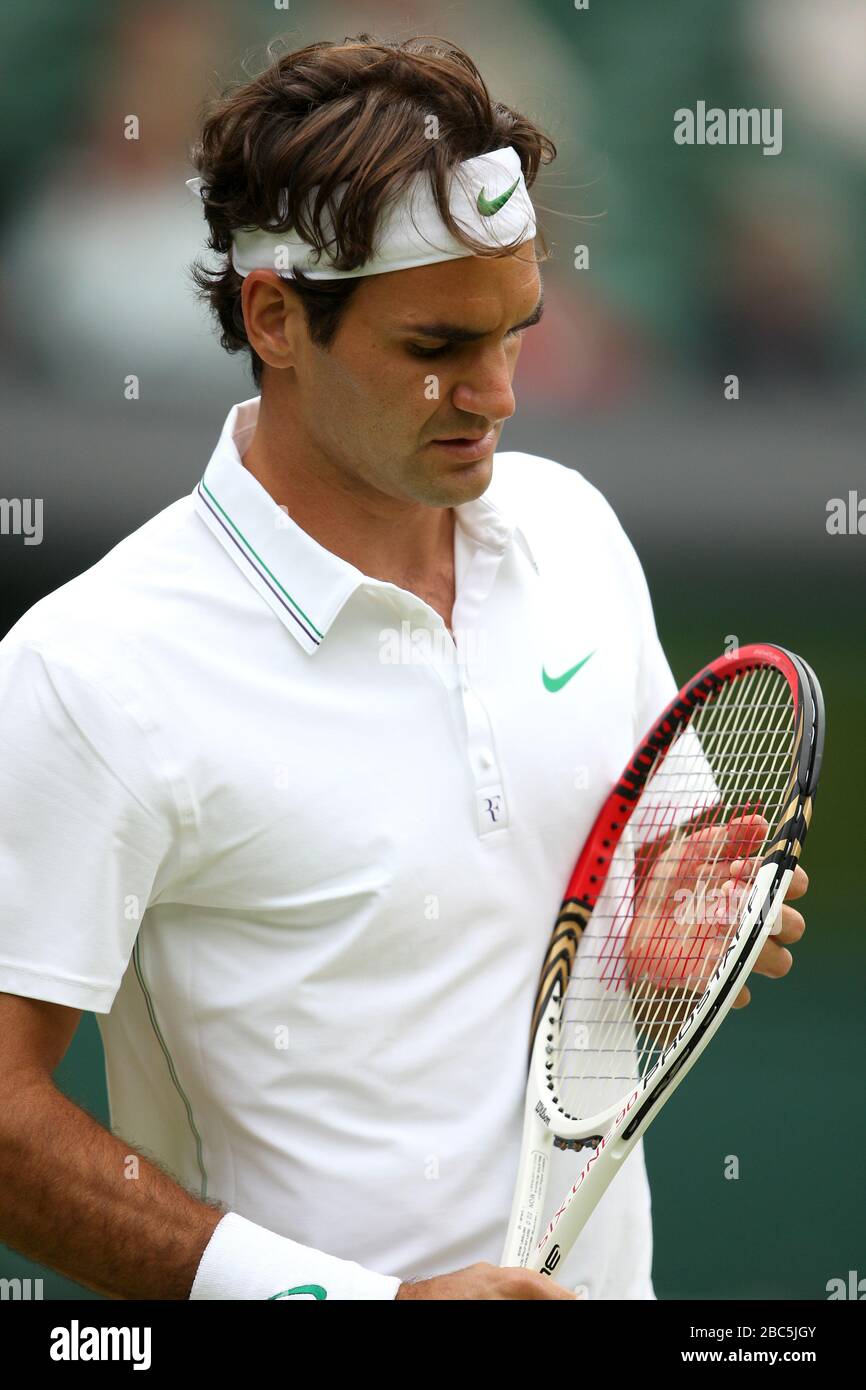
[(90, 827), (34, 1036)]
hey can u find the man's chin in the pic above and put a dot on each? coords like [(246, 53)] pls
[(464, 471), (461, 482)]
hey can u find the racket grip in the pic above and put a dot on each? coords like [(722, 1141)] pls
[(530, 1189)]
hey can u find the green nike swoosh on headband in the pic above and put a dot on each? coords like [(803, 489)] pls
[(487, 206), (554, 683)]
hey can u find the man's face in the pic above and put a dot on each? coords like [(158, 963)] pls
[(392, 382)]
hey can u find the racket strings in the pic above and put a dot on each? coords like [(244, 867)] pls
[(675, 955), (674, 893), (664, 1010)]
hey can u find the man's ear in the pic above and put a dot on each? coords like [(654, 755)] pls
[(273, 317)]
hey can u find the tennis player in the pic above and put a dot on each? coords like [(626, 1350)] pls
[(292, 779)]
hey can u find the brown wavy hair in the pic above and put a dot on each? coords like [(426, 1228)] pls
[(356, 112)]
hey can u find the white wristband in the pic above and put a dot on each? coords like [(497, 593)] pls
[(243, 1261)]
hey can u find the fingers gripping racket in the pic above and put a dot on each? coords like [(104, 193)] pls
[(675, 892)]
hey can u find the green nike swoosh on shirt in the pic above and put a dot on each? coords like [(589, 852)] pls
[(554, 683), (487, 206)]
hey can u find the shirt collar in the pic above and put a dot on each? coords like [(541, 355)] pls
[(305, 584)]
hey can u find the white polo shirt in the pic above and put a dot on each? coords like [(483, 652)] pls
[(302, 855)]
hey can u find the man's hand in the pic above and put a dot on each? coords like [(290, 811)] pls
[(486, 1281), (688, 896), (774, 960)]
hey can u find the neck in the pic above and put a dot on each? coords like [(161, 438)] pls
[(396, 539)]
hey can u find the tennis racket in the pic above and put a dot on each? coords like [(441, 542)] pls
[(675, 892)]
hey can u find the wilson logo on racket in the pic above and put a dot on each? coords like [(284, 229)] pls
[(552, 1259)]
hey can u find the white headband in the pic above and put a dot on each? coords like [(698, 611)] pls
[(487, 196)]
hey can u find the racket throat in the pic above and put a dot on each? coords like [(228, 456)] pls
[(575, 1145)]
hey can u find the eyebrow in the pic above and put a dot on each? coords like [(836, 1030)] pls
[(453, 333)]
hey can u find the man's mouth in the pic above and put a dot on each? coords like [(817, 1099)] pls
[(467, 447)]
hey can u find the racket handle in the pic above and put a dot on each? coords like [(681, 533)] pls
[(597, 1174), (530, 1188)]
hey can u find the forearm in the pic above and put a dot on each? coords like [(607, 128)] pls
[(78, 1199)]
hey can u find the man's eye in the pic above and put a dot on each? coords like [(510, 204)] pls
[(418, 351), (428, 352)]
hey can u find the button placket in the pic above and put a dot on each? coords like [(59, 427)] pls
[(491, 808)]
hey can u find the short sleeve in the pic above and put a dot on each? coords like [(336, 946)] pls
[(88, 830), (656, 686), (686, 767)]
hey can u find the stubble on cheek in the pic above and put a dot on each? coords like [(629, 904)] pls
[(375, 412)]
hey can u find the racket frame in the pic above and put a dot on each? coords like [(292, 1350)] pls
[(612, 1138)]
